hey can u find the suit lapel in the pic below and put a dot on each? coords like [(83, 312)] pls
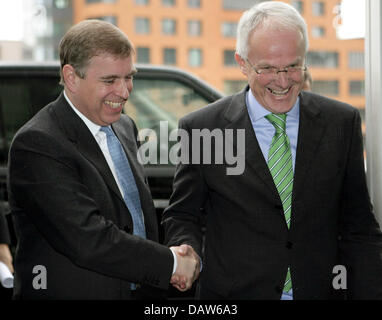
[(79, 134), (238, 116), (92, 152), (311, 129), (310, 133)]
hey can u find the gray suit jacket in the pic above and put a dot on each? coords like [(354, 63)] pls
[(248, 246), (70, 217)]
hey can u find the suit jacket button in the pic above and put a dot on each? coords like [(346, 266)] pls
[(289, 245)]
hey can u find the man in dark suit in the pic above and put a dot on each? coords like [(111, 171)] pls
[(83, 213), (297, 223)]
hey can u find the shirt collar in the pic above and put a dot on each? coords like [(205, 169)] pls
[(94, 128), (257, 111)]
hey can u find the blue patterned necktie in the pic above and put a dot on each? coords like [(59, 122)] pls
[(126, 181)]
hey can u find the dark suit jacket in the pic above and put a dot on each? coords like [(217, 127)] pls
[(248, 246), (70, 217), (4, 232)]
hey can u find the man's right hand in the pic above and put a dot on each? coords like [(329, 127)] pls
[(188, 267), (6, 257)]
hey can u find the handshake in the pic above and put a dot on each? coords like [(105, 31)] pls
[(188, 267)]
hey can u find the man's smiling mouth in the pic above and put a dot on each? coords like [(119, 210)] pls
[(278, 92), (115, 105)]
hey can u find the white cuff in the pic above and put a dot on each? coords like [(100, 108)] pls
[(175, 262)]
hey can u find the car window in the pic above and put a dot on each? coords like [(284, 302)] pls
[(158, 105), (20, 99), (155, 100)]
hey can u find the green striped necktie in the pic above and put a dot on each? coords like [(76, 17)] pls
[(281, 167)]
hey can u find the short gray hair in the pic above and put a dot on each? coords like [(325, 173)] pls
[(273, 14)]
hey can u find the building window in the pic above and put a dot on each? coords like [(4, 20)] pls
[(169, 56), (356, 60), (143, 55), (142, 25), (195, 57), (194, 3), (323, 59), (229, 58), (168, 3), (239, 4), (111, 19), (141, 2), (326, 87), (298, 5), (318, 8), (229, 29), (233, 86), (194, 27), (97, 1), (168, 26), (318, 32), (357, 88)]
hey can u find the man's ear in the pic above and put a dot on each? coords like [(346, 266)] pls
[(242, 64), (70, 77)]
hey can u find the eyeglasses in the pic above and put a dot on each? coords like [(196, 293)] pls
[(273, 71)]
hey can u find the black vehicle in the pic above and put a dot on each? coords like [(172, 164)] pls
[(160, 97)]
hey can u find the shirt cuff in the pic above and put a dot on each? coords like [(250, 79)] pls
[(175, 262)]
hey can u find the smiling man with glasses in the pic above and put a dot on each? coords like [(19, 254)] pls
[(301, 209)]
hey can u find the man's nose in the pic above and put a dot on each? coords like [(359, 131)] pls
[(123, 89), (282, 77)]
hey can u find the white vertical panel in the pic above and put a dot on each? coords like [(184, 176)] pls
[(373, 91)]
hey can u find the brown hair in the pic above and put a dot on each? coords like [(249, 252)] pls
[(90, 38)]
